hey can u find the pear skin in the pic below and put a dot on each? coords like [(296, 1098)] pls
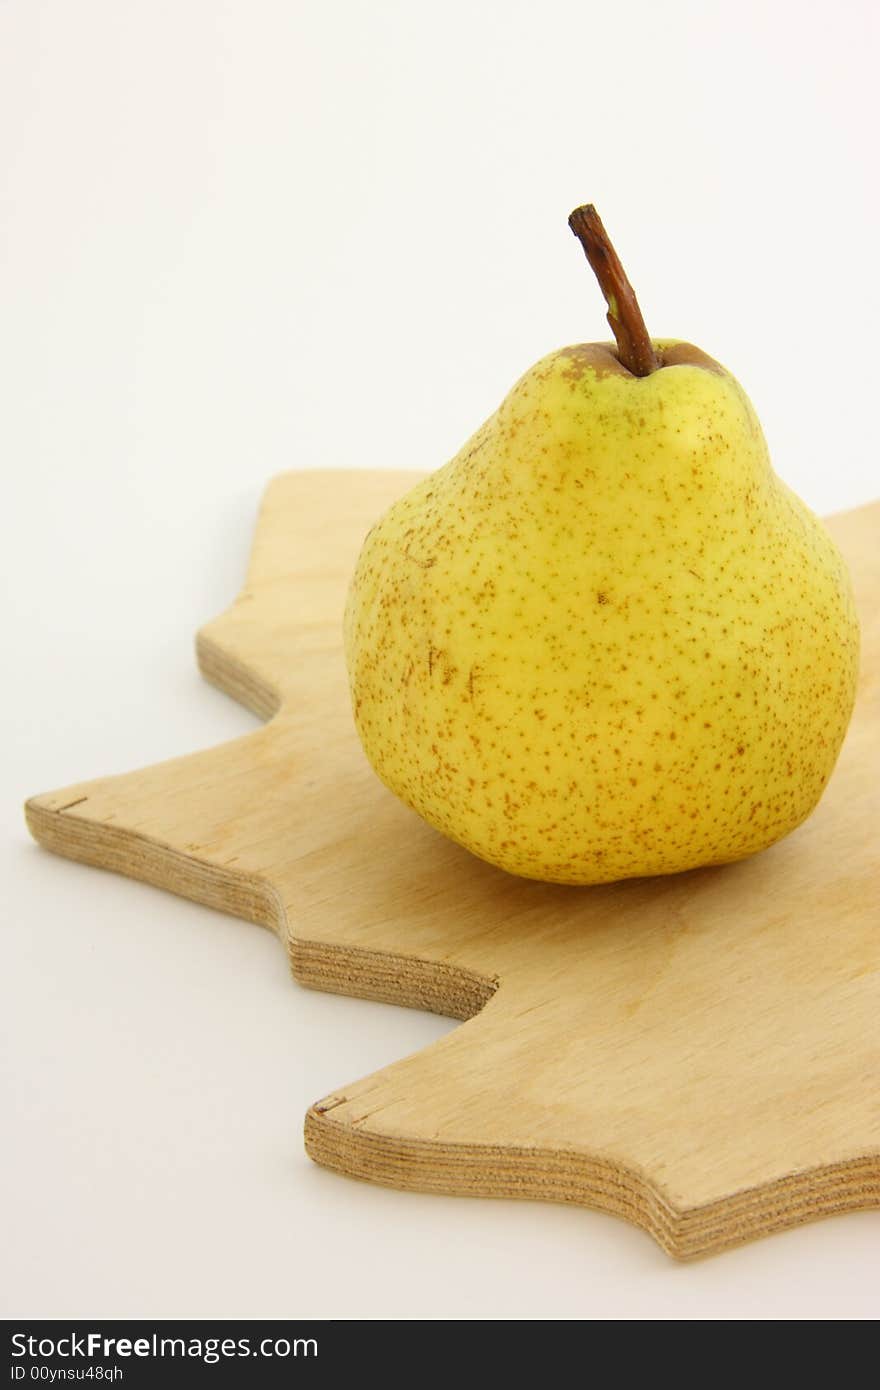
[(605, 640)]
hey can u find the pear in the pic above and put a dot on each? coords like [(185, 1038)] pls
[(605, 640)]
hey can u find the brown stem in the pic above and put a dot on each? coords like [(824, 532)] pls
[(624, 315)]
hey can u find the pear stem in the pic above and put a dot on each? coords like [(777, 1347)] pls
[(634, 347)]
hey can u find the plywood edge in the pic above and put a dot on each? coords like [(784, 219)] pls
[(235, 678), (547, 1175), (489, 1170), (409, 981), (122, 851), (437, 987)]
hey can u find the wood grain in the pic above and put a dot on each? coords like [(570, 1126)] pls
[(698, 1054)]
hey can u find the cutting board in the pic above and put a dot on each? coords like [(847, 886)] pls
[(699, 1054)]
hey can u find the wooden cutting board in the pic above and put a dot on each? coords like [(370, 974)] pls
[(699, 1054)]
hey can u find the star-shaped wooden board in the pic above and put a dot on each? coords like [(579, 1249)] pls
[(699, 1054)]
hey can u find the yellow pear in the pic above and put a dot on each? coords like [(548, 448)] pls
[(605, 640)]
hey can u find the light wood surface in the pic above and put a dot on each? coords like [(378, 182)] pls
[(699, 1054)]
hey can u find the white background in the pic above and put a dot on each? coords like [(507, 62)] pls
[(248, 236)]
